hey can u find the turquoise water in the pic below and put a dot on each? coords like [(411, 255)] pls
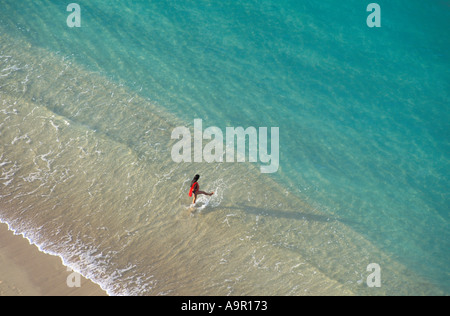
[(363, 113)]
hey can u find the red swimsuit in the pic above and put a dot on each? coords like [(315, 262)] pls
[(194, 188)]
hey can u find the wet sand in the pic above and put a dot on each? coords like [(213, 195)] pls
[(25, 271)]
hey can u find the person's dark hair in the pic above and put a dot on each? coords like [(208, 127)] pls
[(195, 179)]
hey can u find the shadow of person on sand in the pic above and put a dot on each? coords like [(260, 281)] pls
[(293, 215)]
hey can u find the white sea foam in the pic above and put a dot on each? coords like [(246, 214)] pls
[(84, 184)]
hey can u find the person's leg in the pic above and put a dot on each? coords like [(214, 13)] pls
[(204, 193), (200, 192)]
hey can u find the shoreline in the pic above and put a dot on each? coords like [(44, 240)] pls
[(26, 271)]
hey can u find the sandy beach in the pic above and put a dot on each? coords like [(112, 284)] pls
[(25, 271), (323, 136)]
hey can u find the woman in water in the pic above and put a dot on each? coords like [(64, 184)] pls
[(195, 189)]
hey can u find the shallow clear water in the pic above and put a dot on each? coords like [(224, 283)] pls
[(86, 116)]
